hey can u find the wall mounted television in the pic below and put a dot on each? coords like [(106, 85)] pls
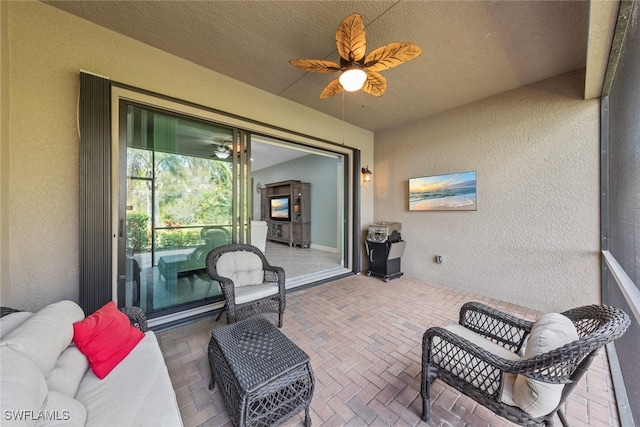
[(279, 208)]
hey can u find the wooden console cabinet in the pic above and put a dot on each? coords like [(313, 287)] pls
[(296, 230)]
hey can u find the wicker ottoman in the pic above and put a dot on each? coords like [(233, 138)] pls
[(264, 378)]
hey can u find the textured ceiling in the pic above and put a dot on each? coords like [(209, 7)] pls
[(471, 49)]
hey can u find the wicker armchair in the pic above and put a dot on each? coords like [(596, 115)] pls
[(137, 318), (484, 364), (249, 283)]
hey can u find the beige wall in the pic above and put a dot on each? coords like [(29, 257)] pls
[(534, 239), (4, 146), (44, 51)]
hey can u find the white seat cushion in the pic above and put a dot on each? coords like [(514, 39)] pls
[(254, 292), (460, 363), (138, 391), (242, 267), (481, 341)]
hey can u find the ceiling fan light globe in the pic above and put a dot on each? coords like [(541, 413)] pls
[(353, 79), (221, 154)]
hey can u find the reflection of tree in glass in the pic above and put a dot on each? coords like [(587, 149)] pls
[(139, 163), (137, 231), (188, 190), (193, 190)]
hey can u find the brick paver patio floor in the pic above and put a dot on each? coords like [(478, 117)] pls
[(364, 339)]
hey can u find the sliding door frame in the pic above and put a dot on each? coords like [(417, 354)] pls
[(121, 92)]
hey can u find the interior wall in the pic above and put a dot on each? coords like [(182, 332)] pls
[(321, 173), (534, 239), (46, 49)]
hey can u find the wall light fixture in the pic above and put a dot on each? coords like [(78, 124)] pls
[(367, 175)]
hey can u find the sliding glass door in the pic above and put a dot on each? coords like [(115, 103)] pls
[(191, 179), (184, 181)]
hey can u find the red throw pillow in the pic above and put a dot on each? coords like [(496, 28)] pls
[(106, 337)]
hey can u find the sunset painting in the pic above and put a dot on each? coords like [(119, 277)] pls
[(452, 192)]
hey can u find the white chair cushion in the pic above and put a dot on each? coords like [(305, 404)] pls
[(69, 370), (460, 365), (538, 398), (24, 390), (482, 342), (254, 292), (242, 267), (46, 334)]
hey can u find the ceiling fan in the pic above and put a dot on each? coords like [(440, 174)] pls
[(222, 150), (357, 70)]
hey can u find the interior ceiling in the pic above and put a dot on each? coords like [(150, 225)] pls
[(204, 141), (471, 49)]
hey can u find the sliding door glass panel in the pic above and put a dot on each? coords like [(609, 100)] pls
[(179, 206)]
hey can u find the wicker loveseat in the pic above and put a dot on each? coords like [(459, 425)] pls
[(521, 370)]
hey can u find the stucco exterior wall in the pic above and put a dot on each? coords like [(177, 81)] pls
[(534, 239), (44, 49), (4, 145)]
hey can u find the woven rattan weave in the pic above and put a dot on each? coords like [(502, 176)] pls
[(264, 378), (273, 303), (484, 375), (137, 317)]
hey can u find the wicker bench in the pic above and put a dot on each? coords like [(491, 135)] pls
[(264, 378)]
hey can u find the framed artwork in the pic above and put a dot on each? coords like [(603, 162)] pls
[(451, 192)]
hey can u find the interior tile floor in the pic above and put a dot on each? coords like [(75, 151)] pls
[(298, 261), (364, 340)]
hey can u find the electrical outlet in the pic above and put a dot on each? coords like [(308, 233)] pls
[(439, 259)]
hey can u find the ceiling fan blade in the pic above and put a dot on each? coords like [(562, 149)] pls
[(331, 89), (315, 65), (391, 55), (376, 84), (350, 38)]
